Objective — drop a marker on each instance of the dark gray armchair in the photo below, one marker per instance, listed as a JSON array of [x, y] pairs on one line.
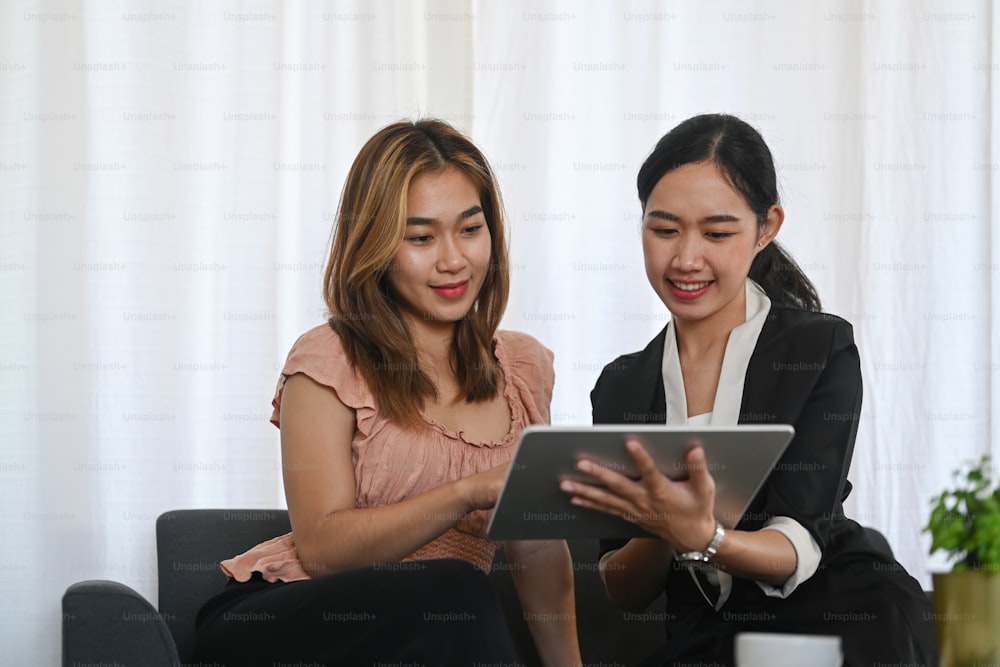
[[108, 622], [105, 622]]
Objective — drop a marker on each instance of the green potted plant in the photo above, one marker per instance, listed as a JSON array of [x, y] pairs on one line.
[[965, 524]]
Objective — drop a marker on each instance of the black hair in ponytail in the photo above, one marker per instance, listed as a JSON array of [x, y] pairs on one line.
[[742, 156]]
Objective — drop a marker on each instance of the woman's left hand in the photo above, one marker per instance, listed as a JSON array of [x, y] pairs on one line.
[[679, 512]]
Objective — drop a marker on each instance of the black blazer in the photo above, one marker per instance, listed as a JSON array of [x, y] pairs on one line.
[[804, 371]]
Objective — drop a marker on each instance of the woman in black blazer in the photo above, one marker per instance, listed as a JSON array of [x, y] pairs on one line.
[[746, 344]]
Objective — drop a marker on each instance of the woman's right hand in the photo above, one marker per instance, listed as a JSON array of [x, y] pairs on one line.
[[482, 489], [679, 512]]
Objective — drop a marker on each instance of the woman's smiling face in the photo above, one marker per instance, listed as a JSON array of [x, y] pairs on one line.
[[441, 264], [699, 239]]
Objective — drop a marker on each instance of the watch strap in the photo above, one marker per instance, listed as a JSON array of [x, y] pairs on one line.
[[709, 552]]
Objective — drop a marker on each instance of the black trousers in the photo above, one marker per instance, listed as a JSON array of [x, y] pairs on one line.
[[435, 612], [878, 610]]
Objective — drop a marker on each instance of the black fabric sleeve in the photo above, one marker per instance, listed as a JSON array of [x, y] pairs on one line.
[[809, 480]]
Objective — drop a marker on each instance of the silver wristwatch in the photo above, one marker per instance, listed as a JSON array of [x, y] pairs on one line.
[[708, 553]]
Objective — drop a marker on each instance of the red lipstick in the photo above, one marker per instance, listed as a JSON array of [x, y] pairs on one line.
[[452, 291]]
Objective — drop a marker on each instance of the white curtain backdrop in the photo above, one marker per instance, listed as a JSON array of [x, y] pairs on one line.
[[169, 173]]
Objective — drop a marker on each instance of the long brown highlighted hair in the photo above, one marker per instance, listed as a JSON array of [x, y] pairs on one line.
[[369, 229]]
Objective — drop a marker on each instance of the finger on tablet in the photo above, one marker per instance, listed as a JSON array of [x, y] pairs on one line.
[[612, 482], [596, 499], [595, 469], [577, 489], [697, 467], [644, 463]]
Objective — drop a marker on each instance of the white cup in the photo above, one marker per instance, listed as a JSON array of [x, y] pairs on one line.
[[772, 649]]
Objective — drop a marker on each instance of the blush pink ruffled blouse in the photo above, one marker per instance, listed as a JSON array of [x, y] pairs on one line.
[[392, 463]]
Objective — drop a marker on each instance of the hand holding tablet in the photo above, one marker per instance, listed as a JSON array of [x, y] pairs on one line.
[[532, 506]]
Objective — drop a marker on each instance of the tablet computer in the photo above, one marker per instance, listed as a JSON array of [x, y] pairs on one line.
[[532, 507]]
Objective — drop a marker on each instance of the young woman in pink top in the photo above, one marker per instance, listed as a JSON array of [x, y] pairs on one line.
[[398, 419]]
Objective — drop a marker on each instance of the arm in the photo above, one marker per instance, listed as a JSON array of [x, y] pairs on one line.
[[543, 576], [766, 556], [330, 533], [682, 515], [636, 574], [808, 484], [803, 494], [542, 571]]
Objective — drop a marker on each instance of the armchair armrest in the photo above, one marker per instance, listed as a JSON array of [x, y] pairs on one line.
[[105, 622]]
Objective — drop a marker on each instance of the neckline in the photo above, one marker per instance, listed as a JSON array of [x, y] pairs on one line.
[[704, 419], [516, 422], [732, 376]]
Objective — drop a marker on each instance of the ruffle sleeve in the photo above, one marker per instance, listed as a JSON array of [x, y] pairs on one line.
[[530, 370], [319, 354], [276, 560]]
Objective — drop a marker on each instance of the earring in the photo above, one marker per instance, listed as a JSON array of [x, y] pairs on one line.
[[760, 245]]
